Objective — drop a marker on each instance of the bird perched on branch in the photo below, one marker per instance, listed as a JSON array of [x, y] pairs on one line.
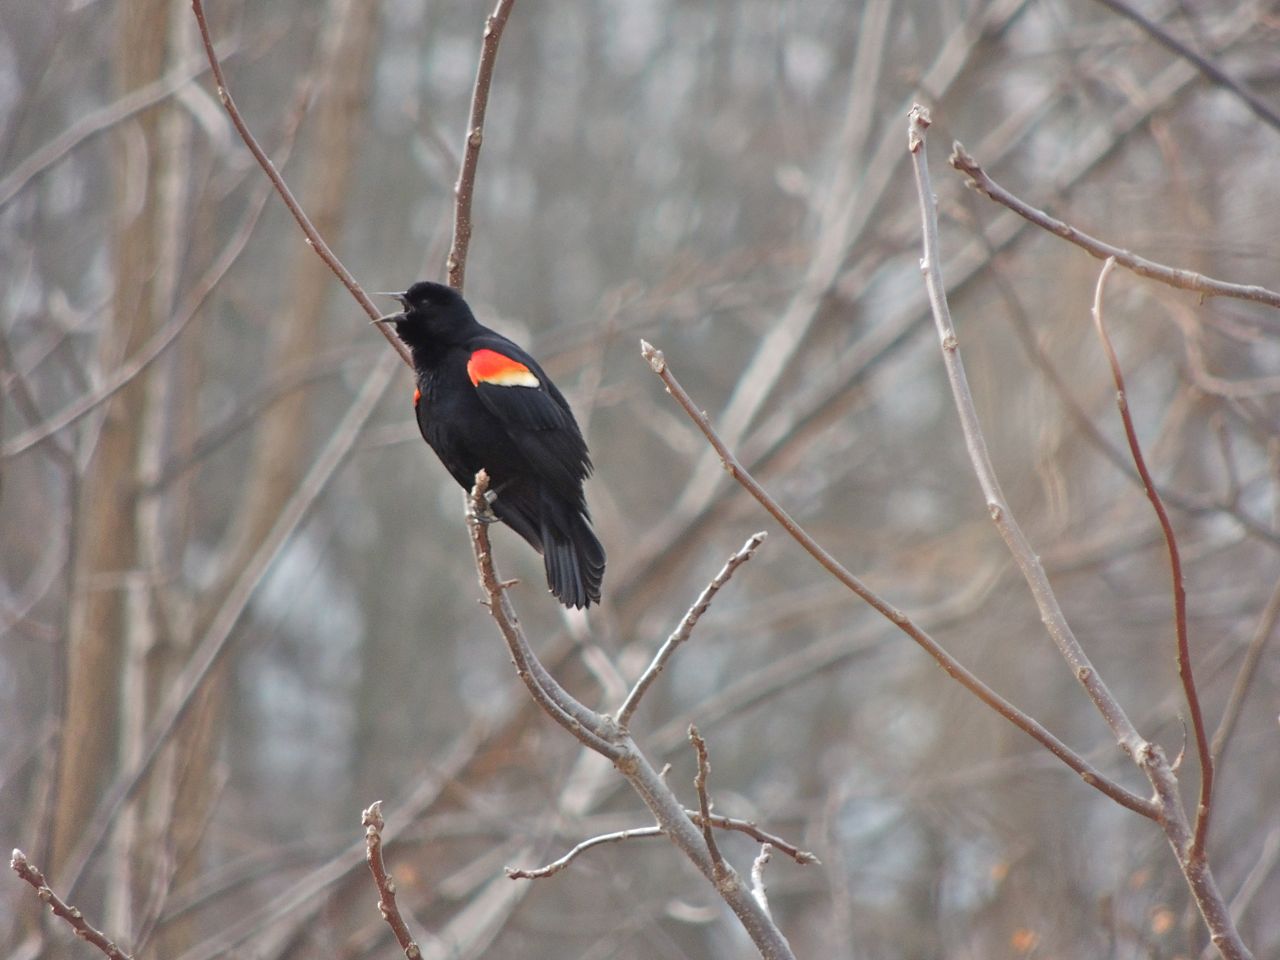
[[483, 403]]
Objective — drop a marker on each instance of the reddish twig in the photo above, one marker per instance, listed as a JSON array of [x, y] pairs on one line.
[[464, 189], [72, 915], [720, 822], [957, 671], [1185, 673], [1173, 276], [685, 628], [314, 240], [373, 824]]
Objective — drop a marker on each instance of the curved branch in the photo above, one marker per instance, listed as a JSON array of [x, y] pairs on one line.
[[1185, 674]]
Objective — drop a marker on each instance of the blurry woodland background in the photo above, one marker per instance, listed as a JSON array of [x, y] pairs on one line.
[[728, 180]]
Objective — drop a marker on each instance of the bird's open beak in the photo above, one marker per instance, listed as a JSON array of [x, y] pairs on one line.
[[392, 317]]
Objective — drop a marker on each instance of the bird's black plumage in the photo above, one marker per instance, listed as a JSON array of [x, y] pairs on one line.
[[483, 402]]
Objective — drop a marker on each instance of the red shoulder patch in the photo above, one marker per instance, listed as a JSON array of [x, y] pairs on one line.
[[489, 366], [417, 395]]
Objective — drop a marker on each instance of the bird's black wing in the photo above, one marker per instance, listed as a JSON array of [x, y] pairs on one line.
[[536, 416]]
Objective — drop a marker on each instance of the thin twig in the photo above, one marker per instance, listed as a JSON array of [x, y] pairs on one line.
[[314, 239], [555, 866], [718, 866], [373, 825], [464, 190], [72, 915], [802, 857], [957, 671], [721, 822], [685, 628], [1185, 673], [981, 181]]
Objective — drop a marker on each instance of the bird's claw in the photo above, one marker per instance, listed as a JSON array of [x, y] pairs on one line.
[[485, 516]]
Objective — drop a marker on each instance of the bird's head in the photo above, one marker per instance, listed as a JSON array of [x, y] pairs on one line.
[[433, 314]]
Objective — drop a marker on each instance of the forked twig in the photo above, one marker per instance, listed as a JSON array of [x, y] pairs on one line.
[[1024, 555], [604, 735]]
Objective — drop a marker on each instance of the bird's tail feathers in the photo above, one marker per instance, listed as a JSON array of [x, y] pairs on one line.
[[572, 555]]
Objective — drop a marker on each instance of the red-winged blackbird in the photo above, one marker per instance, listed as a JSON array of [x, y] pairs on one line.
[[482, 402]]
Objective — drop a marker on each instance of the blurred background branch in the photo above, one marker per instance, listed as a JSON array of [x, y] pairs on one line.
[[726, 180]]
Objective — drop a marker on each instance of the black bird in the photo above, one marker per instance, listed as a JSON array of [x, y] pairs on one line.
[[483, 402]]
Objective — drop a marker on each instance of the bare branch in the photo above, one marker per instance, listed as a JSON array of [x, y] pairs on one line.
[[720, 822], [74, 918], [685, 628], [1204, 807], [585, 724], [314, 239], [456, 265], [957, 671], [1173, 276], [373, 824], [606, 737], [718, 865]]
